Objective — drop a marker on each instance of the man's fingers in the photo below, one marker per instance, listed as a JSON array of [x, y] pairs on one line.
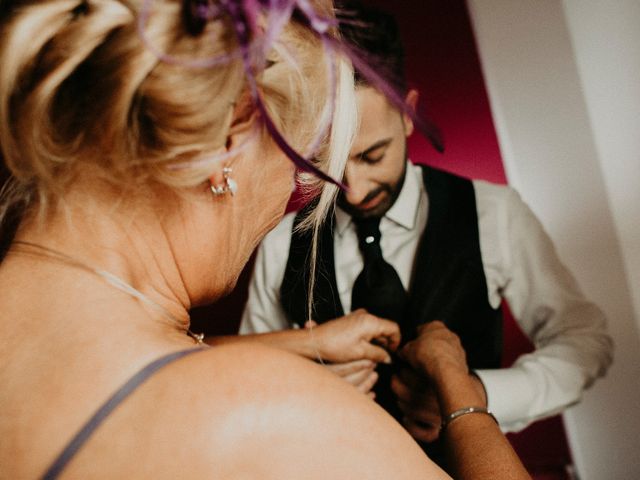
[[401, 390], [420, 406], [425, 433], [413, 380], [425, 416], [417, 392]]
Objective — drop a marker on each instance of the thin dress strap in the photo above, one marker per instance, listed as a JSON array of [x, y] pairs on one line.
[[103, 412]]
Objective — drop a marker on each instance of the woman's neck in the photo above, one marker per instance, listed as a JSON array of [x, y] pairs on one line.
[[125, 250]]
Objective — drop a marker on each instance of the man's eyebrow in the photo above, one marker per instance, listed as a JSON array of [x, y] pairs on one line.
[[373, 148]]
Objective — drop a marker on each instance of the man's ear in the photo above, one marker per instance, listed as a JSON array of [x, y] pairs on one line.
[[411, 101], [243, 117]]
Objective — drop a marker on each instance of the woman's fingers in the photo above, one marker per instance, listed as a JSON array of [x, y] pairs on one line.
[[378, 330], [358, 335], [436, 348], [367, 383], [375, 353], [360, 374], [389, 333], [349, 368]]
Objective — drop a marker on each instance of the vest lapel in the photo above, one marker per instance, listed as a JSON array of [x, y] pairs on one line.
[[448, 282]]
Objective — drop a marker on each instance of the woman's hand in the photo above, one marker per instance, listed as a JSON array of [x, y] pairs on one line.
[[356, 336], [437, 353], [359, 373], [354, 344]]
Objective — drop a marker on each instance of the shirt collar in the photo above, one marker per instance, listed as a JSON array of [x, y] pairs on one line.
[[405, 209]]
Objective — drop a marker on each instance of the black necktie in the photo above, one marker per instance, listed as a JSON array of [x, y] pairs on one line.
[[378, 288]]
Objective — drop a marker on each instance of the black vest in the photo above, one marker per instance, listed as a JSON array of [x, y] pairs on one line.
[[448, 281]]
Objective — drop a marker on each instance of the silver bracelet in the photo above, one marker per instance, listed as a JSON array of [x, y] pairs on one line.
[[463, 411]]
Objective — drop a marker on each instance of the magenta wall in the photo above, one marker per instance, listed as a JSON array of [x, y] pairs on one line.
[[442, 63]]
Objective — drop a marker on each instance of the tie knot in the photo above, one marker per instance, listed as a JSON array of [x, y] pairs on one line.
[[368, 230], [378, 288]]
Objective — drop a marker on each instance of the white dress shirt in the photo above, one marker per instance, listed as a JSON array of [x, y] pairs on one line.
[[520, 265]]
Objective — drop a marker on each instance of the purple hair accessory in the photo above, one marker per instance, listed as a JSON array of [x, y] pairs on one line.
[[299, 161], [255, 40]]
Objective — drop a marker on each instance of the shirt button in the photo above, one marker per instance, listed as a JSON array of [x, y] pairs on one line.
[[368, 240]]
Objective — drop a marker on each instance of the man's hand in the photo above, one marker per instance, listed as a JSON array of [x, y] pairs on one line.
[[356, 336], [419, 404]]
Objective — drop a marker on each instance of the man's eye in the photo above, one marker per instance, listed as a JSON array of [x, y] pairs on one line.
[[371, 160]]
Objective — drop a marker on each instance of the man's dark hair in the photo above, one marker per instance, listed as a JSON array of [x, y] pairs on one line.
[[374, 34]]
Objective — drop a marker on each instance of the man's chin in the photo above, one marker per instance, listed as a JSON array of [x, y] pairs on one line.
[[377, 211]]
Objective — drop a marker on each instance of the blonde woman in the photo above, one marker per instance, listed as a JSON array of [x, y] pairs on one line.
[[142, 182]]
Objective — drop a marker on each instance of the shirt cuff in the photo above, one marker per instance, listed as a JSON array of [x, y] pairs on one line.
[[509, 396]]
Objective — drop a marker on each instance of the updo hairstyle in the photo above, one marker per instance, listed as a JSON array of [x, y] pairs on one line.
[[79, 87]]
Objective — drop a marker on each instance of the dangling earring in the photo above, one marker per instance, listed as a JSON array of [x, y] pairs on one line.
[[229, 185]]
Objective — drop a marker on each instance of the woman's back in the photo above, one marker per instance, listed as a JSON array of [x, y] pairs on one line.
[[224, 412], [67, 344]]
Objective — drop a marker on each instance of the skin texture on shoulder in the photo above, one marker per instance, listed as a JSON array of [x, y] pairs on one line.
[[223, 414]]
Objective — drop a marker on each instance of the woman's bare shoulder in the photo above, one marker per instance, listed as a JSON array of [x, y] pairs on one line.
[[282, 416], [248, 411]]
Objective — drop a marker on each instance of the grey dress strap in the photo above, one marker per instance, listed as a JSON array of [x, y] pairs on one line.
[[107, 407]]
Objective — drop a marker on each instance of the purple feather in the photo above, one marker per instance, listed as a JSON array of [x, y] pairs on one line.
[[255, 41]]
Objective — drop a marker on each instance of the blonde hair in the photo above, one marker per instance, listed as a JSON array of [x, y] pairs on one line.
[[78, 87]]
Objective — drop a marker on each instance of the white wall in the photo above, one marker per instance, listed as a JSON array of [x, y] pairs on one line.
[[606, 43], [567, 122]]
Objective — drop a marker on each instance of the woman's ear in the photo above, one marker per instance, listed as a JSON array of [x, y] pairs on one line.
[[243, 119], [243, 115]]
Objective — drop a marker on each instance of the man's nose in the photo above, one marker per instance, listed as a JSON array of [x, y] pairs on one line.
[[358, 188]]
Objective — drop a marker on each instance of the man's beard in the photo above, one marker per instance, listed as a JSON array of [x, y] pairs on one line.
[[393, 191]]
